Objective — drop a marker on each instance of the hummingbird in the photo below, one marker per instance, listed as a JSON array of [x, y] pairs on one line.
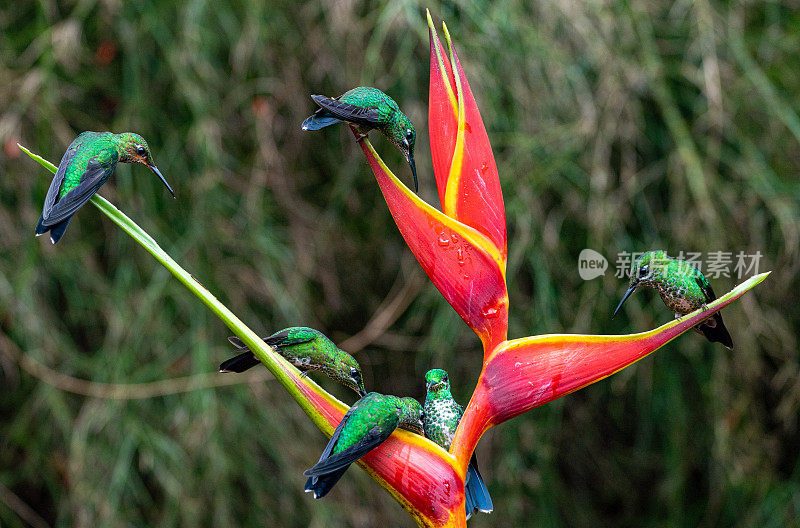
[[440, 421], [367, 424], [368, 108], [306, 349], [89, 161], [682, 287]]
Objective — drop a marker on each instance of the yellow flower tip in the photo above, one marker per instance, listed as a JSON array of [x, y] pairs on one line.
[[447, 39], [430, 20]]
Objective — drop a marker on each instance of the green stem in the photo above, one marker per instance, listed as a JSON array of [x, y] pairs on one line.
[[274, 362]]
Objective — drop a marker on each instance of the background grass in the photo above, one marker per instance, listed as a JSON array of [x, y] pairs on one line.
[[618, 126]]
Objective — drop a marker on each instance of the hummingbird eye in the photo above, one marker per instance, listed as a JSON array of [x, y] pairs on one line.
[[643, 271], [140, 150], [409, 134], [354, 372]]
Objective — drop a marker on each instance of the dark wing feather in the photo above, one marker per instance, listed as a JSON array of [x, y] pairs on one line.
[[716, 333], [93, 178], [706, 288], [371, 440], [367, 116]]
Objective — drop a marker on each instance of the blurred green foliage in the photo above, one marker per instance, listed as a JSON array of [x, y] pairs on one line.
[[617, 126]]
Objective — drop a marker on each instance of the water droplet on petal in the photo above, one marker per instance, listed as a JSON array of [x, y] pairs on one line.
[[489, 311]]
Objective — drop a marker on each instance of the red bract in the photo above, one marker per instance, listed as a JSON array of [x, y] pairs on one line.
[[416, 472], [463, 250]]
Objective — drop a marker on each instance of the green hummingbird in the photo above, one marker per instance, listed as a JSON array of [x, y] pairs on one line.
[[682, 287], [368, 108], [306, 349], [88, 163], [367, 424], [440, 421]]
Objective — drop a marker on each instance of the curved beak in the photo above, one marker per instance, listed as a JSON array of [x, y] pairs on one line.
[[624, 298], [413, 170], [161, 177]]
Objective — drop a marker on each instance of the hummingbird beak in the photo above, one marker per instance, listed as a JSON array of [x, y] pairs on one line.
[[413, 170], [624, 298], [161, 177]]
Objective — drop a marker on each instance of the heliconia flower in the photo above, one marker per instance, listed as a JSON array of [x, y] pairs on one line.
[[463, 250], [518, 375]]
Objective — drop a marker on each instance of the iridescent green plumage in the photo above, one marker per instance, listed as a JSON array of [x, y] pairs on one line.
[[308, 350], [440, 422], [365, 426], [89, 161], [681, 286], [368, 108]]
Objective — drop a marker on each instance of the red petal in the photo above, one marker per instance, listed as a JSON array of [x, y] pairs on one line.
[[442, 112], [460, 261], [463, 162], [525, 373]]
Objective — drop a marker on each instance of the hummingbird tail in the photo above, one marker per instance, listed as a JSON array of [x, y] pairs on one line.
[[319, 120], [240, 363], [477, 495], [715, 331], [322, 484], [56, 231]]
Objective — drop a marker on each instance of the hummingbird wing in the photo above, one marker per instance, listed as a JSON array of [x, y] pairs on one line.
[[360, 115], [58, 179], [284, 339], [92, 179], [706, 288], [334, 437], [713, 328], [374, 437]]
